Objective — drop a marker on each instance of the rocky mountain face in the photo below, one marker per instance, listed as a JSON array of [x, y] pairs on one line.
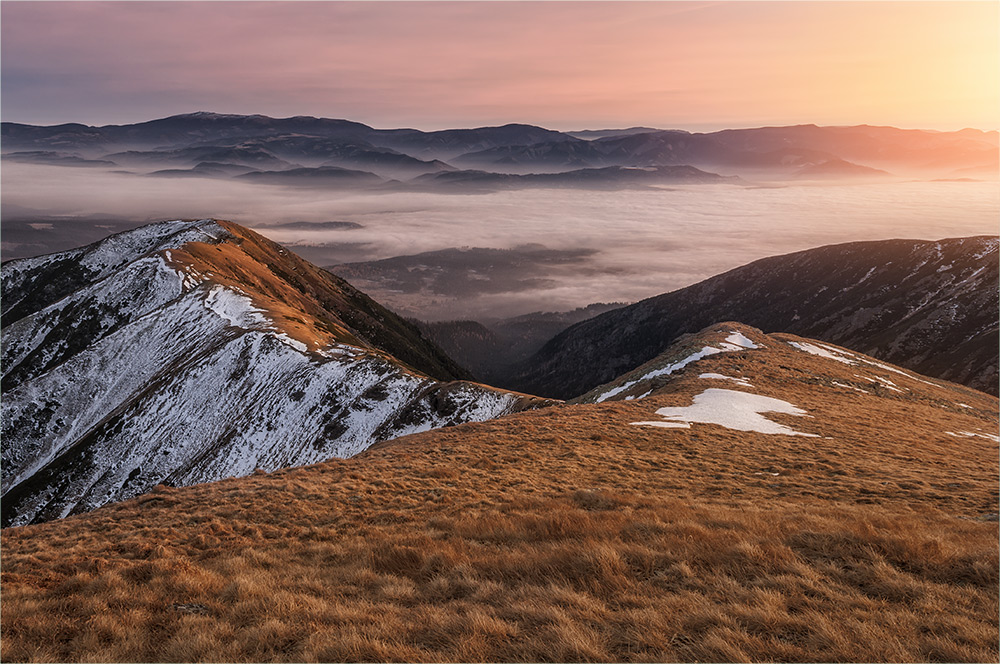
[[185, 352], [928, 306]]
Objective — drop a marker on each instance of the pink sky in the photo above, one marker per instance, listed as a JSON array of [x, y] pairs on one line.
[[564, 65]]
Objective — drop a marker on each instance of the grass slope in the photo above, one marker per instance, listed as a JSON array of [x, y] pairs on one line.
[[565, 534]]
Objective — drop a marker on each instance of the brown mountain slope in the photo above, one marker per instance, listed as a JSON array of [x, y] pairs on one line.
[[564, 534]]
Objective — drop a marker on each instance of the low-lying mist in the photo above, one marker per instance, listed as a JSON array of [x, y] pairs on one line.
[[569, 248]]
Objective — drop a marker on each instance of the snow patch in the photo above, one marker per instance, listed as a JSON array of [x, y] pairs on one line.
[[738, 339], [740, 411], [901, 373], [989, 247], [236, 308], [860, 281], [888, 384]]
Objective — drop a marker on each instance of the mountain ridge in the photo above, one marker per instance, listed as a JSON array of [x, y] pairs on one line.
[[184, 352], [931, 306], [630, 529]]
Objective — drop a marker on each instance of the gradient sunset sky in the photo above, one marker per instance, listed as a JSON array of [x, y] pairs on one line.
[[563, 65]]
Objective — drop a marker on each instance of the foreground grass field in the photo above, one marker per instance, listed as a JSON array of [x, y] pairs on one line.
[[559, 535]]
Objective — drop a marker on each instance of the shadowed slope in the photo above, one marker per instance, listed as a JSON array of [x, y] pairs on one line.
[[928, 306]]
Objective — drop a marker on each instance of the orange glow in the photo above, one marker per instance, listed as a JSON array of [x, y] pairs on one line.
[[566, 65]]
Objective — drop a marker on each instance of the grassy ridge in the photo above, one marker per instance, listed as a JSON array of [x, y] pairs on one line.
[[564, 534]]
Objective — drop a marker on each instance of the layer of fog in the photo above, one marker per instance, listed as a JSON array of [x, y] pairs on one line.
[[631, 244]]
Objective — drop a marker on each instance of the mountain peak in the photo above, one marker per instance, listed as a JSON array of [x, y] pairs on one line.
[[201, 349]]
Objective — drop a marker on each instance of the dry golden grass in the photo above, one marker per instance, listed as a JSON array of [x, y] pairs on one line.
[[558, 535]]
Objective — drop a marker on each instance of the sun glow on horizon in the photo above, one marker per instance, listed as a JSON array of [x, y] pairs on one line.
[[565, 65]]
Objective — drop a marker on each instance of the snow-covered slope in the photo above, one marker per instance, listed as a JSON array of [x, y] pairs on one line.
[[185, 352]]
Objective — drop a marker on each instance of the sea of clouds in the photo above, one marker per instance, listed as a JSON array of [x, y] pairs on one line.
[[627, 245]]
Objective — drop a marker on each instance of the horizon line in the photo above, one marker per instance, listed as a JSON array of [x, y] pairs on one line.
[[719, 127]]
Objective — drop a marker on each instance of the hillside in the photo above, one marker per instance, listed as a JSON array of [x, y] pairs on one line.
[[860, 528], [183, 352], [928, 306]]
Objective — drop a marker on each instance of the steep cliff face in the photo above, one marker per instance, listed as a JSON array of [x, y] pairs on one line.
[[184, 352], [927, 306]]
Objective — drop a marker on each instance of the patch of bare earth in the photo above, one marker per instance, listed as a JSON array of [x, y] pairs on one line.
[[566, 534]]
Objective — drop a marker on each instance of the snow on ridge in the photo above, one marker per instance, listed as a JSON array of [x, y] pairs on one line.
[[825, 351], [116, 297], [662, 371], [737, 339], [739, 411], [132, 244], [333, 407], [990, 246], [973, 434], [734, 342], [714, 376], [117, 250], [236, 307], [856, 389], [846, 357]]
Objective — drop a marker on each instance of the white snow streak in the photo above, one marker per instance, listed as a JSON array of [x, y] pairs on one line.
[[973, 434], [856, 389], [821, 352], [662, 371], [734, 342], [715, 376]]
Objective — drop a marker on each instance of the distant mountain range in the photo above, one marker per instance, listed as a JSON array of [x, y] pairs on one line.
[[305, 149], [185, 352]]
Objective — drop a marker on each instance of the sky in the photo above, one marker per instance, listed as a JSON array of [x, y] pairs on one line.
[[563, 65]]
